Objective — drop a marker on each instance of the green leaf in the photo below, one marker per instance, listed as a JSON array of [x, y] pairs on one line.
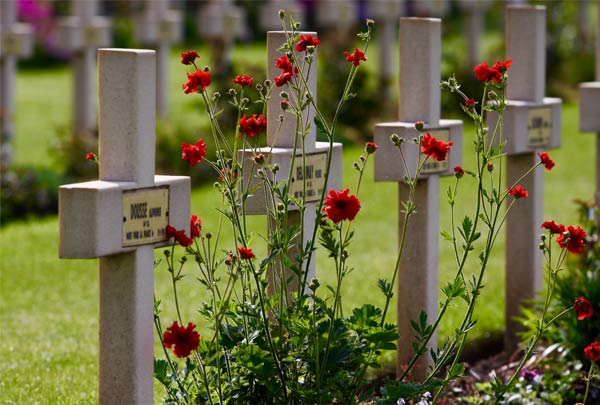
[[447, 236], [160, 371]]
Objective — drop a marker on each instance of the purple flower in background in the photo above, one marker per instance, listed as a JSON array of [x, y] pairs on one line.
[[43, 21], [529, 374]]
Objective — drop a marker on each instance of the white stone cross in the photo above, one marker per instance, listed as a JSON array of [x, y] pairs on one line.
[[159, 27], [420, 75], [281, 150], [82, 34], [338, 14], [221, 22], [269, 13], [589, 110], [386, 14], [121, 218], [532, 124], [16, 40], [474, 26], [430, 8]]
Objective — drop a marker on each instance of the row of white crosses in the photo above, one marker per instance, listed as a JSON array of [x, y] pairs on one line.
[[532, 124], [121, 218], [159, 27], [280, 149], [16, 41], [420, 75], [82, 34], [589, 118]]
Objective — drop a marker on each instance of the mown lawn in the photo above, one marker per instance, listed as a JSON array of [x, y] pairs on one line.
[[48, 307]]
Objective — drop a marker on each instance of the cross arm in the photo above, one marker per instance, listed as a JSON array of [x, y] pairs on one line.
[[18, 40], [93, 215]]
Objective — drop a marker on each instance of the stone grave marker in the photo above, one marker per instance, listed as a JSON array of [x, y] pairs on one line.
[[337, 18], [82, 34], [420, 75], [269, 13], [532, 124], [121, 218], [430, 8], [474, 26], [589, 109], [386, 14], [221, 22], [159, 27], [16, 41], [281, 150]]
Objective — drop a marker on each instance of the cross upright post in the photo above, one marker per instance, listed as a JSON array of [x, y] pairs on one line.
[[16, 41], [121, 218], [82, 34], [269, 13], [531, 124], [420, 74], [474, 26], [284, 146], [221, 21], [386, 14], [159, 27], [589, 116]]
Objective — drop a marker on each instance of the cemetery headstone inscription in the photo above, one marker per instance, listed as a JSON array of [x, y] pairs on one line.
[[283, 148], [532, 124], [121, 218], [16, 41], [82, 34], [420, 74]]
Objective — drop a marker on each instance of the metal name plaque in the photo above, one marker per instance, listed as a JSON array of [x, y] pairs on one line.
[[11, 43], [312, 175], [145, 216], [432, 166], [539, 127], [91, 36]]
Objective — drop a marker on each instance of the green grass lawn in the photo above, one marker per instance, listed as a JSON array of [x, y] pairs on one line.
[[49, 307]]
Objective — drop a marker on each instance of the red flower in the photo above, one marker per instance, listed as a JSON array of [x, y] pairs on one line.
[[517, 191], [180, 236], [434, 148], [573, 239], [243, 80], [371, 147], [470, 102], [282, 79], [184, 340], [592, 352], [546, 161], [90, 156], [195, 226], [253, 125], [340, 206], [193, 154], [306, 40], [553, 227], [171, 231], [188, 57], [583, 308], [197, 82], [285, 65], [503, 66], [355, 57], [485, 73], [246, 253], [459, 171]]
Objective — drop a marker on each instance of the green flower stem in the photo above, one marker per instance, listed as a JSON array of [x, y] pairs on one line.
[[590, 375]]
